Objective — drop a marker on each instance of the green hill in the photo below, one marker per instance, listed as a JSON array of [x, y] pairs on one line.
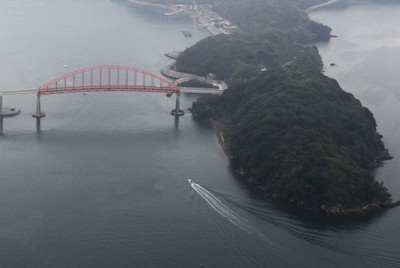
[[238, 55], [291, 132], [298, 137], [273, 32]]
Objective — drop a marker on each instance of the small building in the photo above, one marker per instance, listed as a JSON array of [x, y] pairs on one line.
[[210, 76]]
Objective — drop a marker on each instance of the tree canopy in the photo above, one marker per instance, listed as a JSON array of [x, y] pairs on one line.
[[272, 33], [300, 136], [293, 131]]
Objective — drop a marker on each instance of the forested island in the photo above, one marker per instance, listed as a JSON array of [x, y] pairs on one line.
[[289, 130]]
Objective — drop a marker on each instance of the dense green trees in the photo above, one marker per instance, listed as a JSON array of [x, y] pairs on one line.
[[271, 31], [272, 34], [238, 55], [301, 137], [294, 133], [258, 15]]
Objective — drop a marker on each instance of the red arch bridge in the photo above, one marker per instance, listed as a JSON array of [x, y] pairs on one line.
[[108, 78]]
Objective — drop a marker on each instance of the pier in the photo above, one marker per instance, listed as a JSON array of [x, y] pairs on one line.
[[7, 111]]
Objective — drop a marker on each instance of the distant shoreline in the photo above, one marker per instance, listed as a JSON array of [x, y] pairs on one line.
[[146, 3], [165, 6]]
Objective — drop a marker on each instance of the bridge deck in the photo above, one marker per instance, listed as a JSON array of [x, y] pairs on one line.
[[193, 90], [19, 91]]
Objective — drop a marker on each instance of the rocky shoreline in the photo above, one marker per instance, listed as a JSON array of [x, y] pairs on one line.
[[334, 211], [331, 211], [266, 192]]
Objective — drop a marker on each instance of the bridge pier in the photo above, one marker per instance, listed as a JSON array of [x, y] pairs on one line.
[[7, 111], [38, 113], [177, 111]]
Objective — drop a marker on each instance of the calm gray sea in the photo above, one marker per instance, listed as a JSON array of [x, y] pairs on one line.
[[102, 182]]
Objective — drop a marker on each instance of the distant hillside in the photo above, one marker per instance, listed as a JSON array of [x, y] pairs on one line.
[[299, 3], [291, 132], [273, 32], [259, 15], [238, 55]]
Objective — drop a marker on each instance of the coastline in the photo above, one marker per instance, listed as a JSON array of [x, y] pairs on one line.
[[217, 127], [207, 19], [145, 3], [264, 190], [328, 210]]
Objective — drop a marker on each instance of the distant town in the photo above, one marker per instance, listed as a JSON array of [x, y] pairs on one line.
[[205, 17]]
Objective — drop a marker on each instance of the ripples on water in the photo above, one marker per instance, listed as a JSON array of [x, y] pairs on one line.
[[224, 211], [323, 233]]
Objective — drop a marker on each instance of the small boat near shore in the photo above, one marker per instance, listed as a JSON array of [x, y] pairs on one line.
[[66, 66], [187, 34], [174, 54]]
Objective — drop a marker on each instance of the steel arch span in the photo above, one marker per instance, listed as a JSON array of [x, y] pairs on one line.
[[108, 78]]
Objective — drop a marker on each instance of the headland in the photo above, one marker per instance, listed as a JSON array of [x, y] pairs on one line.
[[290, 131]]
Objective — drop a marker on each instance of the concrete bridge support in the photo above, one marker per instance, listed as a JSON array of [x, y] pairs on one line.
[[177, 111], [1, 115], [7, 111], [1, 104], [38, 113]]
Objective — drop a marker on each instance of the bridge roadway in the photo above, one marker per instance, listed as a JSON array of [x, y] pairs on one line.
[[200, 90], [189, 90], [19, 91], [182, 77], [107, 78]]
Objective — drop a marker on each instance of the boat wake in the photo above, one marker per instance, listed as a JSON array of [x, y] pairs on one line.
[[224, 211]]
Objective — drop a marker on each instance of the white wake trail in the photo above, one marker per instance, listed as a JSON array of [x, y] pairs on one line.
[[224, 211]]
